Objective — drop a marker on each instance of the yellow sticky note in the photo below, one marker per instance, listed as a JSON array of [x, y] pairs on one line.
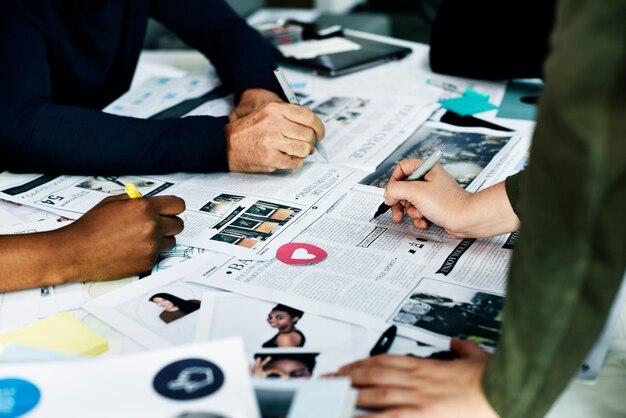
[[61, 332]]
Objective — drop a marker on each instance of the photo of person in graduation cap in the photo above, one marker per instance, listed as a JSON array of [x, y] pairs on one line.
[[174, 307], [284, 319]]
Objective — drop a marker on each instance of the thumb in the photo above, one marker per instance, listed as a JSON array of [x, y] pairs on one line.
[[466, 349]]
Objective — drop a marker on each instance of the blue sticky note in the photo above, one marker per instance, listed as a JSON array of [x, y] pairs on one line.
[[467, 105]]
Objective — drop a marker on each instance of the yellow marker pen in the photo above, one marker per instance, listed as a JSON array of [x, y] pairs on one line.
[[132, 191]]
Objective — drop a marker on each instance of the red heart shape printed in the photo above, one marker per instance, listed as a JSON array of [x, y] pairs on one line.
[[297, 253]]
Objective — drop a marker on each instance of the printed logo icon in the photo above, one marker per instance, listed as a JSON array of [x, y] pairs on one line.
[[17, 397], [299, 253], [188, 379]]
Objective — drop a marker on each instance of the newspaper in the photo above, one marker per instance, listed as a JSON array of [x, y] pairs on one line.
[[245, 215], [376, 272]]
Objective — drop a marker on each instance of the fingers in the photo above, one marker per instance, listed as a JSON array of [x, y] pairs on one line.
[[171, 225], [380, 376], [167, 205], [303, 116], [405, 168], [380, 397], [298, 132], [294, 148], [166, 243], [401, 190], [466, 349], [402, 412], [393, 361]]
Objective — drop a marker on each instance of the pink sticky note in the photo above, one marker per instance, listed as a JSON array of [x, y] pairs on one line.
[[299, 253]]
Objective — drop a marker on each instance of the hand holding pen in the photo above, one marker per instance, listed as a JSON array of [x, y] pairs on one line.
[[291, 97], [415, 175]]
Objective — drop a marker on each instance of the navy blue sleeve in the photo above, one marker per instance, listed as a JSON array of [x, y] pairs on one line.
[[242, 58], [37, 135]]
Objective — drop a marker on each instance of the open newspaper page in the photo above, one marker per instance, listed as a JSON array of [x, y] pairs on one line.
[[239, 214]]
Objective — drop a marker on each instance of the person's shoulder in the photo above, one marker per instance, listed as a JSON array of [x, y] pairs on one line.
[[37, 13]]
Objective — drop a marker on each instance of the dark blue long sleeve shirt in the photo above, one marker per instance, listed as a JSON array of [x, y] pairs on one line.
[[65, 60]]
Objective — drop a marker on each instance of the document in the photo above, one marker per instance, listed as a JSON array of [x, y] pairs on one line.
[[240, 214], [157, 94], [373, 271], [160, 311], [207, 379], [272, 327]]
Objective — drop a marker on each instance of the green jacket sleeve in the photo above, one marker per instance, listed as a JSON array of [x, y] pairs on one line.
[[514, 186], [571, 256]]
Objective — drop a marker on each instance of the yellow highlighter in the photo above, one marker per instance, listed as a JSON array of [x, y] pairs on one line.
[[132, 191]]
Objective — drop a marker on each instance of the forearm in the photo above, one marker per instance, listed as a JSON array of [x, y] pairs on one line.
[[34, 260], [69, 140], [486, 213]]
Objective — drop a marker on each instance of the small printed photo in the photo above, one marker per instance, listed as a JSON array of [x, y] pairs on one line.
[[221, 204], [168, 312], [331, 106], [116, 185], [174, 307], [272, 212], [346, 118], [269, 326], [241, 237], [453, 311], [465, 153], [283, 365]]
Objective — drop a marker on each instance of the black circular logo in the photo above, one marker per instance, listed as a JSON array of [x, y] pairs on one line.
[[188, 379]]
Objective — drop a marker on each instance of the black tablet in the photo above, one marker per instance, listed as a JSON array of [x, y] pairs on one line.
[[371, 53]]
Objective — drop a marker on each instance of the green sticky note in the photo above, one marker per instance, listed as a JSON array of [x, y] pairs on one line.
[[474, 93], [467, 105]]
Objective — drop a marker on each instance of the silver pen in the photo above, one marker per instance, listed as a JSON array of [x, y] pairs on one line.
[[291, 97], [418, 174]]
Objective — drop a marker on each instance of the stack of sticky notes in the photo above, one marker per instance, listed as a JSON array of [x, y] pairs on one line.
[[61, 332], [470, 103]]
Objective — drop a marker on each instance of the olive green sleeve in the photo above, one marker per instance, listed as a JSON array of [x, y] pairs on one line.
[[513, 185], [571, 254]]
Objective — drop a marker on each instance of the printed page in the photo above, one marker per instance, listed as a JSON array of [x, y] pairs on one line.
[[241, 214], [157, 94], [375, 269], [209, 378]]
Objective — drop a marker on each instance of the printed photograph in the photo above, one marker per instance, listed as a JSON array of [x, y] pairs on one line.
[[116, 185], [454, 311], [283, 365], [174, 307], [256, 224], [465, 153], [222, 204], [168, 312], [270, 327]]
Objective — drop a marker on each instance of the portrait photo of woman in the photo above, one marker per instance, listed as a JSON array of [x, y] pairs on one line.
[[284, 319], [174, 307]]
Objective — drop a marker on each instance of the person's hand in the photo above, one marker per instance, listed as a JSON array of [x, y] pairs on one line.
[[119, 237], [407, 387], [258, 369], [274, 136], [251, 100], [438, 198]]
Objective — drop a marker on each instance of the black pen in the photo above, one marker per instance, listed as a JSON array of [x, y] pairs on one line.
[[383, 344], [418, 174]]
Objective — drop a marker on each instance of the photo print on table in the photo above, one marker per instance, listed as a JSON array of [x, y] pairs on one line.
[[466, 154], [453, 311]]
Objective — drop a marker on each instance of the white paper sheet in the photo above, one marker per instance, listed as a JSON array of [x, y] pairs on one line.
[[207, 378]]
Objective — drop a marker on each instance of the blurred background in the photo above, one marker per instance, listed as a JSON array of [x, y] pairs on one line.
[[404, 19]]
